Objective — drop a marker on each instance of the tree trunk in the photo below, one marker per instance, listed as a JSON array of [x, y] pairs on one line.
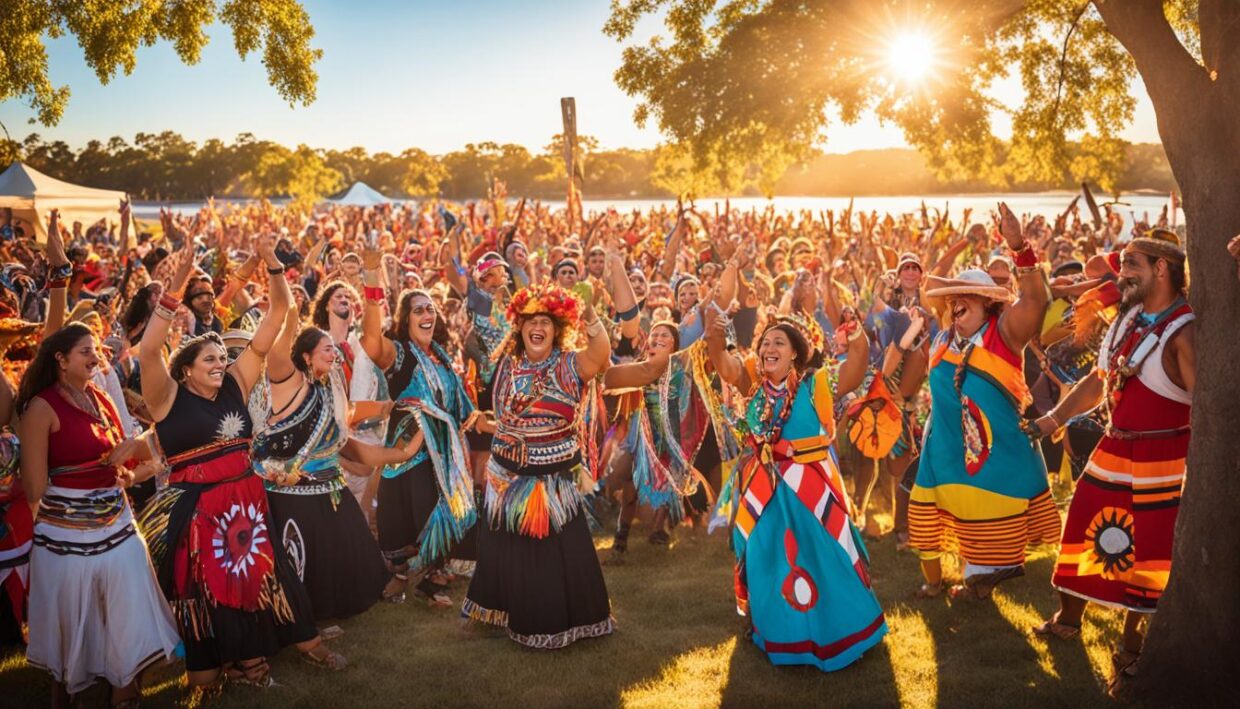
[[1190, 650]]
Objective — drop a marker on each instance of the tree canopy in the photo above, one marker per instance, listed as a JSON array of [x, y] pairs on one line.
[[748, 83], [111, 32]]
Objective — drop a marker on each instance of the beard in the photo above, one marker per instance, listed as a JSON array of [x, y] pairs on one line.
[[343, 312], [1133, 291]]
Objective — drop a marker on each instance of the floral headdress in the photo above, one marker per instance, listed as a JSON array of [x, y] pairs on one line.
[[808, 328], [542, 299]]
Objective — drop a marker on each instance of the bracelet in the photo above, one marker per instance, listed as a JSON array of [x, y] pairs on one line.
[[594, 328], [163, 312], [62, 272], [374, 294], [852, 336], [53, 283], [628, 314], [1054, 419], [275, 271], [168, 302], [1026, 270], [1025, 258]]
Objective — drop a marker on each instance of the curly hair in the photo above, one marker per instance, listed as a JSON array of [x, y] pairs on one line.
[[318, 314], [185, 355], [404, 313], [562, 331]]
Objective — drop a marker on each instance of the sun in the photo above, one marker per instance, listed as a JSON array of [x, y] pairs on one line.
[[912, 57]]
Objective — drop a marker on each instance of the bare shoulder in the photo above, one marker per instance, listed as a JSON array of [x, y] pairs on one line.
[[39, 412]]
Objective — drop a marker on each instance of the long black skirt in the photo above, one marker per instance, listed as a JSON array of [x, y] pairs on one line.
[[331, 550], [405, 504], [548, 593]]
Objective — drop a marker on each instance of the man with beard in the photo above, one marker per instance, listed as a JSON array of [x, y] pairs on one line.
[[200, 300], [334, 312], [1117, 540]]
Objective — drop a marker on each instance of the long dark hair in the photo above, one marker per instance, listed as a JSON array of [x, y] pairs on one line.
[[319, 315], [671, 327], [805, 358], [43, 371], [308, 339], [138, 312], [188, 352]]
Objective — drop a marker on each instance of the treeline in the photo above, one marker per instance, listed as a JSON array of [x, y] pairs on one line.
[[165, 166]]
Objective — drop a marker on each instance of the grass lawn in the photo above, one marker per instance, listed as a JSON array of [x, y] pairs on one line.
[[679, 644]]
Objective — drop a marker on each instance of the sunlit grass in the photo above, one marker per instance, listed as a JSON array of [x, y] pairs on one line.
[[679, 644]]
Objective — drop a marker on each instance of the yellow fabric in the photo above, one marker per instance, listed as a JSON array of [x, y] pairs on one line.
[[968, 502]]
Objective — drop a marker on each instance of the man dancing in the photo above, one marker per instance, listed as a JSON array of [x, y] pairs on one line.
[[1117, 540]]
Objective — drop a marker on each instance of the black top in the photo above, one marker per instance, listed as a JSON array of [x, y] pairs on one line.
[[193, 421]]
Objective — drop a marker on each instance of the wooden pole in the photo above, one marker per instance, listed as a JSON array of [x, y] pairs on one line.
[[572, 163]]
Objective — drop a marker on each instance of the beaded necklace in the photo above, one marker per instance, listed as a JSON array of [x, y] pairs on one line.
[[770, 408], [1124, 365]]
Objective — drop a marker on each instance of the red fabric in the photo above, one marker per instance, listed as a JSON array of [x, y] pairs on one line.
[[230, 542], [992, 341], [81, 439]]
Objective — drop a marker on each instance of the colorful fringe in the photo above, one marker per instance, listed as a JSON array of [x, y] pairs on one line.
[[531, 505]]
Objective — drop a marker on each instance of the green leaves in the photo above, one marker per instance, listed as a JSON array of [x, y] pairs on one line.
[[746, 85], [110, 32]]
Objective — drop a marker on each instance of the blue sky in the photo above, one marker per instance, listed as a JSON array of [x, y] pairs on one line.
[[396, 75]]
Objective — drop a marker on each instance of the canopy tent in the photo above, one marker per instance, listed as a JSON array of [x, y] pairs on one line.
[[359, 195], [32, 195]]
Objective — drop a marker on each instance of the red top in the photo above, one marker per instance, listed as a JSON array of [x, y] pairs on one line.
[[82, 441]]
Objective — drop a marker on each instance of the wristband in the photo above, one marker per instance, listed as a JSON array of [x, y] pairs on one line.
[[163, 312], [628, 314], [275, 271], [1025, 258], [168, 302], [1054, 419], [374, 294], [53, 283], [857, 332], [62, 272], [594, 328]]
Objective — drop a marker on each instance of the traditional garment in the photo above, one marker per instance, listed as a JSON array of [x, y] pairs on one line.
[[95, 606], [671, 426], [489, 328], [1117, 540], [981, 486], [426, 506], [233, 592], [363, 381], [317, 521], [802, 571], [16, 533], [538, 574]]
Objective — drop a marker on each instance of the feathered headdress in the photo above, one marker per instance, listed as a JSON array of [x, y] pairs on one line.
[[808, 328]]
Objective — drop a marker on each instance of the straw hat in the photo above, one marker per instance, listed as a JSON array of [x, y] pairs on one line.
[[970, 282]]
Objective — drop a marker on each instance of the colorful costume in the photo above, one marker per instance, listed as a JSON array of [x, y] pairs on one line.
[[16, 531], [232, 590], [95, 606], [538, 574], [802, 572], [1118, 537], [319, 525], [981, 486], [426, 505]]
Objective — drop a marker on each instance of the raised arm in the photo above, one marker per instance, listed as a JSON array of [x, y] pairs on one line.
[[454, 270], [378, 348], [58, 296], [158, 387], [727, 364], [594, 358], [622, 294], [635, 374], [667, 267], [249, 366], [280, 359], [1021, 322], [852, 371], [238, 279]]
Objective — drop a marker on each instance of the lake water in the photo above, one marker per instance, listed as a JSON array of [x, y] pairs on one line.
[[1048, 204]]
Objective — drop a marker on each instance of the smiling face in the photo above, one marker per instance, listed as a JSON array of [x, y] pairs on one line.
[[340, 304], [1138, 274], [494, 279], [422, 315], [566, 276], [322, 358], [595, 264], [206, 373], [687, 296], [967, 312], [661, 340], [81, 361], [776, 354], [350, 266], [538, 337], [640, 287], [910, 277], [520, 257], [201, 298]]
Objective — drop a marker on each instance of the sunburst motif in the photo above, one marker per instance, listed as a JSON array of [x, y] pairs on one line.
[[1110, 539], [239, 532], [230, 426]]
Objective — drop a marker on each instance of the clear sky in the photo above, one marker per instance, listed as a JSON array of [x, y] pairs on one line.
[[434, 75]]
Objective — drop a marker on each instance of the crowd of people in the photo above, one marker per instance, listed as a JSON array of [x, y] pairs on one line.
[[226, 432]]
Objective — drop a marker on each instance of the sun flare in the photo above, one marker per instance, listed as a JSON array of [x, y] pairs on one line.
[[911, 57]]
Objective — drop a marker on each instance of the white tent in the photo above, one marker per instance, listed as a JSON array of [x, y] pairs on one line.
[[32, 195], [359, 195]]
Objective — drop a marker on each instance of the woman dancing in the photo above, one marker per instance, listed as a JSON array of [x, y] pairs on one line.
[[235, 596], [95, 606], [426, 504], [981, 484], [802, 572], [538, 575], [300, 414]]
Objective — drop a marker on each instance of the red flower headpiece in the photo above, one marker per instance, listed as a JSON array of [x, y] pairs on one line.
[[545, 299]]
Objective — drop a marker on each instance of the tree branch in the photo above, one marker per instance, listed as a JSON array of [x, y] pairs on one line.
[[1219, 21]]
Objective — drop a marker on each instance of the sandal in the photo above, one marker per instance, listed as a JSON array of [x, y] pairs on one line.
[[1053, 628], [321, 656], [928, 591], [396, 597], [660, 538], [1124, 664], [969, 592], [434, 594], [255, 674]]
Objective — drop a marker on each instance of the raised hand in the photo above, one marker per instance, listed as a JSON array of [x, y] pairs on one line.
[[55, 244], [1010, 228], [916, 323]]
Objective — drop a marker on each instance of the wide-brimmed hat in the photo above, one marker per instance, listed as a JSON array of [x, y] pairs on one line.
[[970, 282], [1159, 243]]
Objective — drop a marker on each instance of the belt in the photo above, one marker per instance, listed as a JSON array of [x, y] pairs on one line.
[[1124, 435]]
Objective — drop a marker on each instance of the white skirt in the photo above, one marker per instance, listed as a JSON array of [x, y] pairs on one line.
[[96, 609]]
